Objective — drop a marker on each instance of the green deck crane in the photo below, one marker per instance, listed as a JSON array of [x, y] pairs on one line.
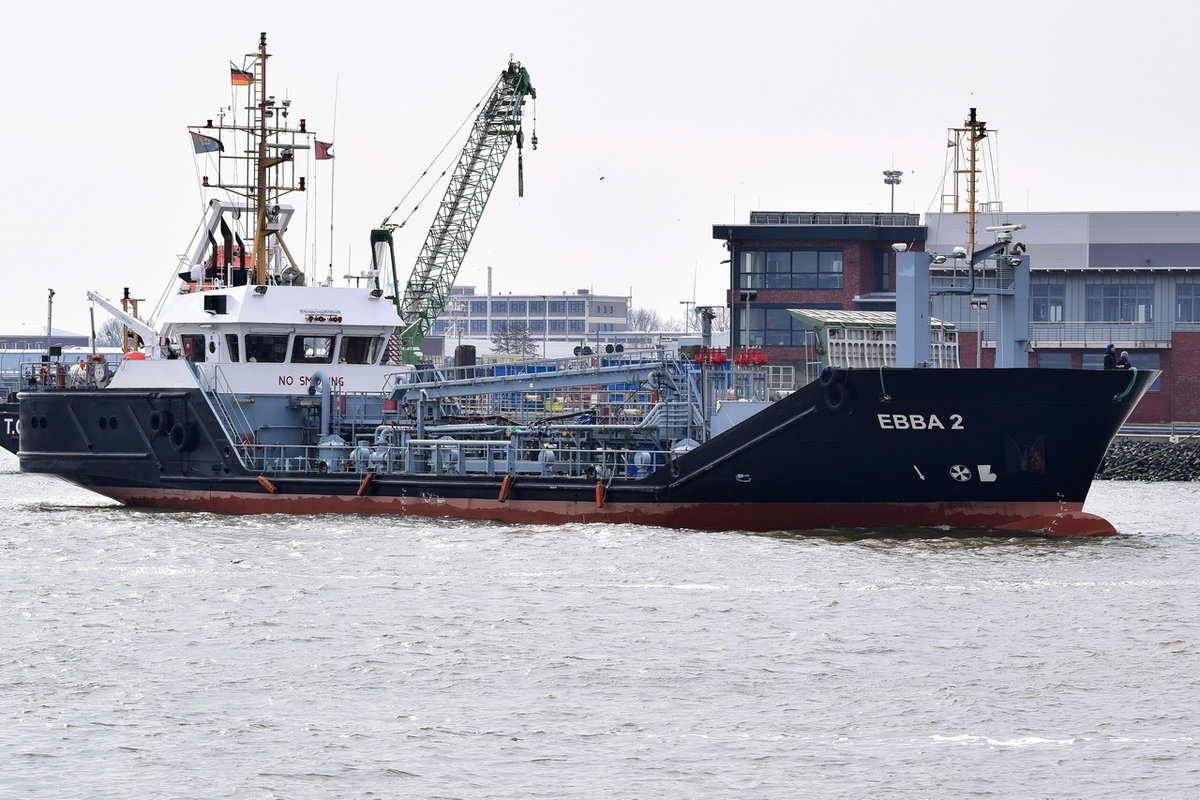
[[428, 289]]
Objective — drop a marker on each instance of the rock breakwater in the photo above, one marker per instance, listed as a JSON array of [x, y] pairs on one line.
[[1131, 459]]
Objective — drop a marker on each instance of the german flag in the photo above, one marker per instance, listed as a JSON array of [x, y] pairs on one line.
[[239, 77]]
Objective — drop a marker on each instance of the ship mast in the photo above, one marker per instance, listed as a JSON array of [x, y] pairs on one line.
[[270, 149], [974, 132], [260, 183]]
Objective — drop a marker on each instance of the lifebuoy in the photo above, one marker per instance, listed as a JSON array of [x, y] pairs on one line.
[[182, 437], [837, 396], [159, 422]]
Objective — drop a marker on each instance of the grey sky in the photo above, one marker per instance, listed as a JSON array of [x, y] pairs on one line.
[[692, 113]]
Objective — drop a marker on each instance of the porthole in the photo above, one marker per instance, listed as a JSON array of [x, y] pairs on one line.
[[42, 421], [33, 422], [103, 423], [112, 423]]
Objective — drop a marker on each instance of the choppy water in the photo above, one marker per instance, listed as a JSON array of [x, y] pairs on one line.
[[154, 655]]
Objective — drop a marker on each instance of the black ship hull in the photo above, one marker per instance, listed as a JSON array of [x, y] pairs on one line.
[[1000, 449]]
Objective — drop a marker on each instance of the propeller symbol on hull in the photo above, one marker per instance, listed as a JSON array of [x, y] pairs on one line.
[[960, 473]]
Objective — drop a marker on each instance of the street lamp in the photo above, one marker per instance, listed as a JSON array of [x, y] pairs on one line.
[[687, 314], [892, 178], [980, 304], [49, 318]]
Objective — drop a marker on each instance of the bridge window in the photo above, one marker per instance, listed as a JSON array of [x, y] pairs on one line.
[[192, 346], [266, 348], [360, 349], [312, 350]]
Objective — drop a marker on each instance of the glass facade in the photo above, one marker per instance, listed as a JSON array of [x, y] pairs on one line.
[[1120, 302], [773, 327], [1047, 301], [1187, 302], [808, 268]]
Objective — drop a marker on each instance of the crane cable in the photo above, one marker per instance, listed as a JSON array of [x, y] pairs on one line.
[[469, 118]]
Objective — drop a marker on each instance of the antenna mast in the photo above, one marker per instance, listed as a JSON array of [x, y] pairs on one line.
[[974, 132]]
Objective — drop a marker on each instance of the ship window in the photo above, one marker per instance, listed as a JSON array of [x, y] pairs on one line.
[[231, 345], [266, 348], [192, 346], [360, 349], [312, 350]]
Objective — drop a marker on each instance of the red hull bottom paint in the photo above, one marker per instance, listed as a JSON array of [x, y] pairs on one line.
[[1047, 519]]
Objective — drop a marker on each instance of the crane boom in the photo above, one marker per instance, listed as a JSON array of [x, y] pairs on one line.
[[428, 288]]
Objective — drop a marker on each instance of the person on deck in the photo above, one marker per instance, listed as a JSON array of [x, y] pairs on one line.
[[1110, 357], [1123, 361]]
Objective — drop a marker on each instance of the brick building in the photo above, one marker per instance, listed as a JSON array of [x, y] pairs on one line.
[[1131, 278]]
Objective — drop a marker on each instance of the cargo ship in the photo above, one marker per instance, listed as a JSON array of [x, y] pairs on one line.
[[256, 392]]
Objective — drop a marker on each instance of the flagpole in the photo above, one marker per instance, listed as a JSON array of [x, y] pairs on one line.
[[332, 176]]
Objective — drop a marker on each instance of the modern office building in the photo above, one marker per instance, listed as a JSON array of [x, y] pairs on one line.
[[557, 318], [1130, 278]]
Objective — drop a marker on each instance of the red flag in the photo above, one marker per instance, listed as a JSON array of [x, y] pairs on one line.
[[323, 150], [239, 77]]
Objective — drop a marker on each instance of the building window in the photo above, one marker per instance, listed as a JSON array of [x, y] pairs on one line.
[[479, 327], [575, 326], [1046, 302], [576, 308], [558, 306], [537, 326], [516, 308], [479, 306], [1054, 360], [1187, 302], [537, 306], [773, 327], [791, 269], [440, 327], [558, 326], [500, 307], [883, 277], [1120, 302]]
